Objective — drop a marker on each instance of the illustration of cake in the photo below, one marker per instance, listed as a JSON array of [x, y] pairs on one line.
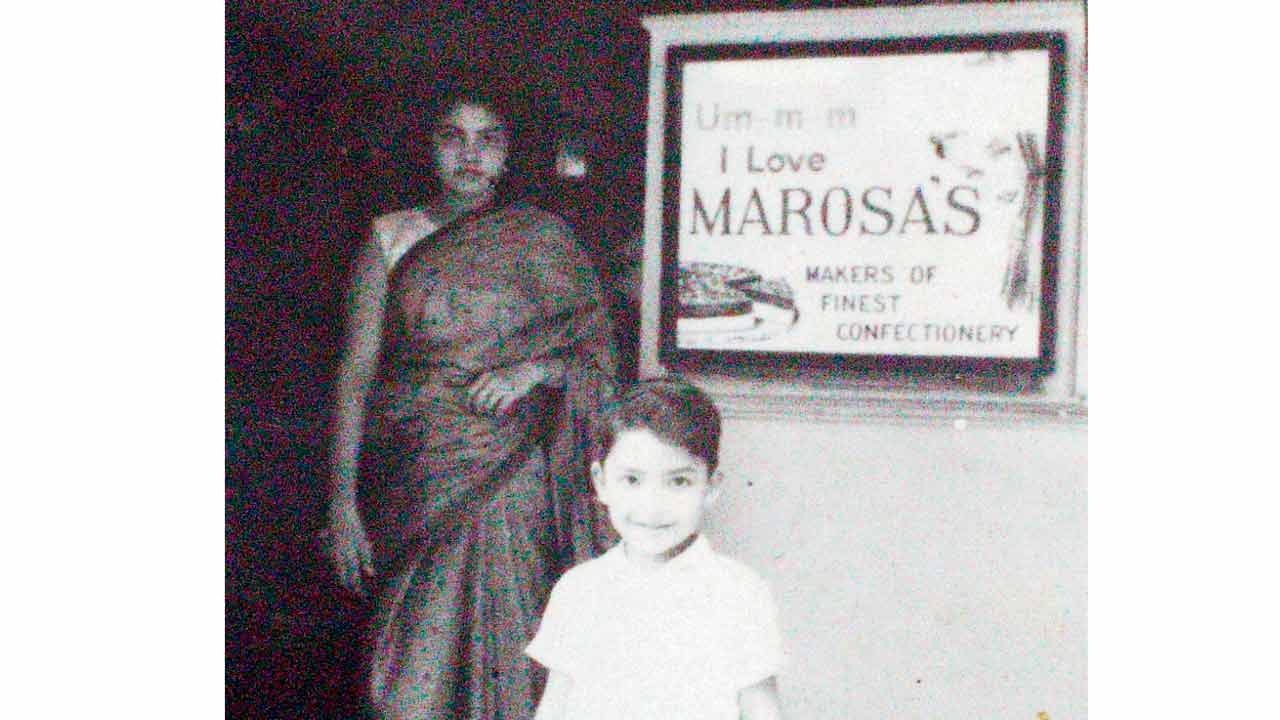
[[718, 297], [774, 291]]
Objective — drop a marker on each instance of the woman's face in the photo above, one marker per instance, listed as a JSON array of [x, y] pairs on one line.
[[470, 150]]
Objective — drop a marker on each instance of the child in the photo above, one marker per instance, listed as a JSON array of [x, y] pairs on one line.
[[660, 627]]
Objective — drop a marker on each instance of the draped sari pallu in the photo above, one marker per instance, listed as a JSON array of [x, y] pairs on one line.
[[472, 517]]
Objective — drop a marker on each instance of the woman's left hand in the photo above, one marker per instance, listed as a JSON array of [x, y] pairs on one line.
[[497, 391]]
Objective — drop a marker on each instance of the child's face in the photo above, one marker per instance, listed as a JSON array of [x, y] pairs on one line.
[[656, 493]]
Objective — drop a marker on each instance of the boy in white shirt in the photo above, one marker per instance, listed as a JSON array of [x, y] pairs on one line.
[[660, 627]]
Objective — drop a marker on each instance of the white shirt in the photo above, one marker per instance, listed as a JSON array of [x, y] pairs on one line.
[[676, 643]]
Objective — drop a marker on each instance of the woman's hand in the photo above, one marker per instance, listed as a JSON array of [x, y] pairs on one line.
[[348, 546], [495, 392]]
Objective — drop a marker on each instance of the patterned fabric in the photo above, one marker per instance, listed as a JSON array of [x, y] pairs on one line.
[[473, 517]]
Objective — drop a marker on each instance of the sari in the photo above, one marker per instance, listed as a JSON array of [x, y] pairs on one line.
[[471, 516]]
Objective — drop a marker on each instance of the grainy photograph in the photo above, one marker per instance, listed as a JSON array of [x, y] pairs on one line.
[[655, 360]]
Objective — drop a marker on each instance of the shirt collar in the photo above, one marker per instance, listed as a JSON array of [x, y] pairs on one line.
[[697, 553]]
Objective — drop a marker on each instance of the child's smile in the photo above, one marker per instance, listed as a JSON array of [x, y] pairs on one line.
[[656, 492]]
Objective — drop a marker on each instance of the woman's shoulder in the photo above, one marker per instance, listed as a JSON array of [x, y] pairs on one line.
[[391, 223], [397, 231]]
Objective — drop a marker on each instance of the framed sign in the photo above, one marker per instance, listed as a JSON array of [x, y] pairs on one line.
[[869, 203]]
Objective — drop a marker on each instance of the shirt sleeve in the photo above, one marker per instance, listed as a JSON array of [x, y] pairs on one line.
[[761, 640], [553, 646]]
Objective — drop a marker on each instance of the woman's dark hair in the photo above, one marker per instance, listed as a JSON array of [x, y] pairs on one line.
[[671, 408], [529, 162]]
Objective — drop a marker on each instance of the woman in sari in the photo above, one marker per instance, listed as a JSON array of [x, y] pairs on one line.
[[477, 357]]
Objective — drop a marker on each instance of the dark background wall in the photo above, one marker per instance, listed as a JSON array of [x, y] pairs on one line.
[[321, 103]]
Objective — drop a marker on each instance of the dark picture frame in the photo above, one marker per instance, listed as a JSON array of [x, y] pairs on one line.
[[755, 360]]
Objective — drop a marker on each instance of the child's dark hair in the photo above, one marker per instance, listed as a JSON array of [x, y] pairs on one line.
[[670, 408]]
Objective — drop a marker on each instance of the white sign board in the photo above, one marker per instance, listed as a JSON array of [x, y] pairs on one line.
[[890, 201]]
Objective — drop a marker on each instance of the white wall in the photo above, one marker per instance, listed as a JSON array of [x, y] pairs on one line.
[[922, 571]]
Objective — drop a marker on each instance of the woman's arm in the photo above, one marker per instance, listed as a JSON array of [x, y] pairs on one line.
[[556, 697], [359, 358], [366, 300], [497, 391], [760, 701]]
